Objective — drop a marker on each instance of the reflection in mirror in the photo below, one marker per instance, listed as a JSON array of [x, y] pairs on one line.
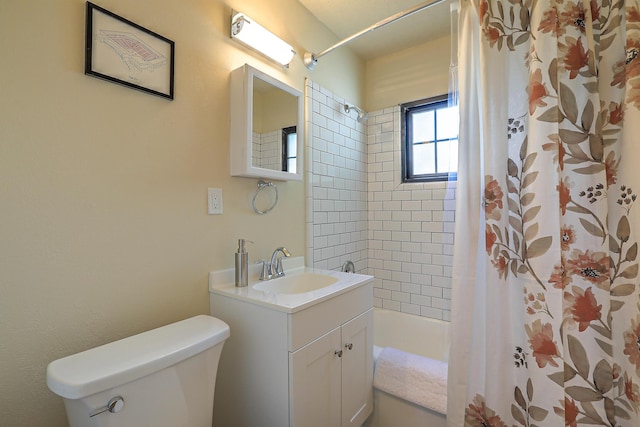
[[266, 126], [290, 147], [274, 137]]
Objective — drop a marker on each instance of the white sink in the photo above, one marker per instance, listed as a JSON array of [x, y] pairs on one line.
[[301, 288], [297, 283]]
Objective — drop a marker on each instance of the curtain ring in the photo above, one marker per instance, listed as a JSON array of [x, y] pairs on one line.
[[262, 185]]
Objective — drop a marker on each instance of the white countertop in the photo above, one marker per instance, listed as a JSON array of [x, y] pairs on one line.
[[222, 283]]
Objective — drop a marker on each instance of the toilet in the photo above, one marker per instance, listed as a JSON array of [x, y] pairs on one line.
[[162, 378]]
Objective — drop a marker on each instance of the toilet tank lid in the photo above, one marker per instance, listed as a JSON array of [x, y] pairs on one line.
[[102, 368]]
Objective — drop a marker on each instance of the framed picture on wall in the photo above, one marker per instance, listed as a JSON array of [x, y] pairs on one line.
[[123, 52]]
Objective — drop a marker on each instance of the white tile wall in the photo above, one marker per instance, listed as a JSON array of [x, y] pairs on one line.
[[359, 210], [337, 183], [267, 150]]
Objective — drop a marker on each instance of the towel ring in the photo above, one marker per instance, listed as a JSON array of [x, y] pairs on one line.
[[262, 186]]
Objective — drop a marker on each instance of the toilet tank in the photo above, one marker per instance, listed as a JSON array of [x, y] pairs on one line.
[[166, 377]]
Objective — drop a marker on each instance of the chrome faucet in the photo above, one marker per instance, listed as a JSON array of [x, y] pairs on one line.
[[275, 266]]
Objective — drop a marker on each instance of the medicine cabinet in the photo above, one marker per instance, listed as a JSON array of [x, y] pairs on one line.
[[266, 127]]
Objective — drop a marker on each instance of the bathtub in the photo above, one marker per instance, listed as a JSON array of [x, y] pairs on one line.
[[414, 334]]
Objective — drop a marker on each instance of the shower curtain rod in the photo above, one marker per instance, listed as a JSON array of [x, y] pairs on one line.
[[311, 59]]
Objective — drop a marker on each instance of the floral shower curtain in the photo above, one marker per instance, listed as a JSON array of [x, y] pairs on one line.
[[546, 307]]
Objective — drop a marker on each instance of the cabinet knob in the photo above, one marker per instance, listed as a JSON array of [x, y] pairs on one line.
[[338, 353], [348, 346]]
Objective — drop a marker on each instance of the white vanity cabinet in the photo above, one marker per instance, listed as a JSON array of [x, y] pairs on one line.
[[331, 377], [308, 367]]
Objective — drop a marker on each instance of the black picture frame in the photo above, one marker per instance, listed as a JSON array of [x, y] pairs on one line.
[[126, 53]]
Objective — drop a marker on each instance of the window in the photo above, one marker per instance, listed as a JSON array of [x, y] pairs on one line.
[[289, 149], [429, 140]]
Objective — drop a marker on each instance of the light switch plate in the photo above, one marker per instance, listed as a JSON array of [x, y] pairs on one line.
[[214, 201]]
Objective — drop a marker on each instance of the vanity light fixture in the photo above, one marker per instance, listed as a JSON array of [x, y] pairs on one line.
[[254, 35]]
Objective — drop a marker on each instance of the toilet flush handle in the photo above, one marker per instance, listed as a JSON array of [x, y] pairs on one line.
[[114, 405]]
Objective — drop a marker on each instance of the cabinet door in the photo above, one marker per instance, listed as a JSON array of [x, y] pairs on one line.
[[315, 382], [357, 370]]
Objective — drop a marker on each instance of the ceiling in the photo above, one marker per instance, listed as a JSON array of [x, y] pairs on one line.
[[345, 18]]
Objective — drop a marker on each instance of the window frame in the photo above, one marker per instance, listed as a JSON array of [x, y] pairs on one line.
[[406, 133], [285, 147]]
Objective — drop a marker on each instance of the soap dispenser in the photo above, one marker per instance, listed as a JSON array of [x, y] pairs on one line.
[[242, 264]]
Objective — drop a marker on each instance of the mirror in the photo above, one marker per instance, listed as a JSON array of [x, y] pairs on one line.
[[266, 126]]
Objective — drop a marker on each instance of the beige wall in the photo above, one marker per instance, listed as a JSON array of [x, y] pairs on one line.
[[408, 75], [274, 110], [103, 223]]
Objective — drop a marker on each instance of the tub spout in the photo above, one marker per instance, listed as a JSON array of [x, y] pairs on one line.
[[348, 267]]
